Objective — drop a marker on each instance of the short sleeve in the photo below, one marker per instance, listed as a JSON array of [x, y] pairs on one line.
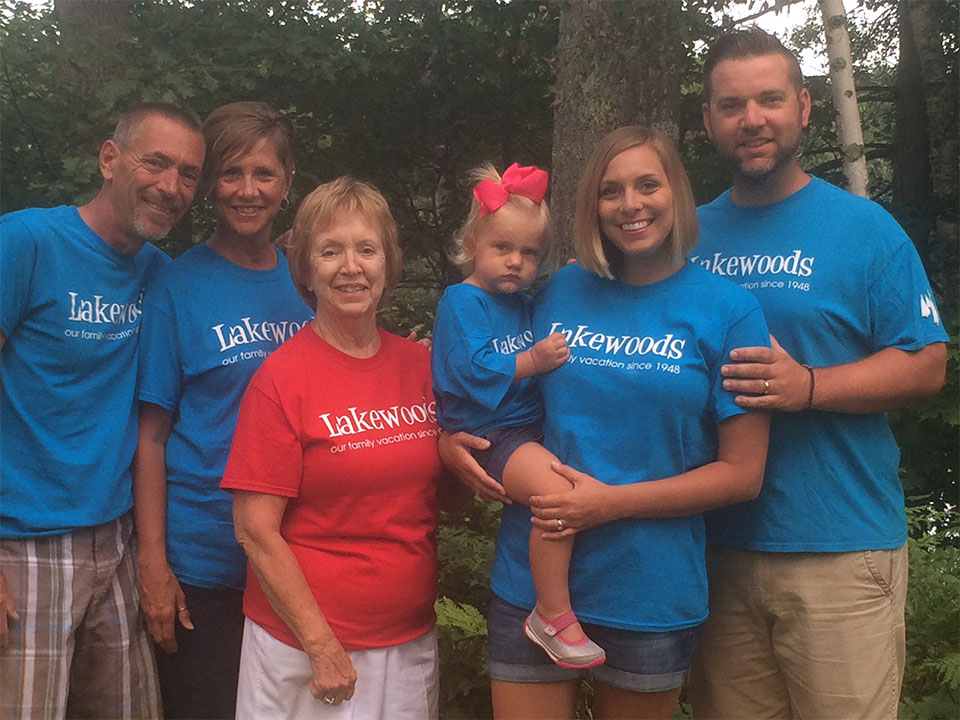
[[903, 312], [472, 368], [266, 455], [749, 331], [160, 370], [18, 258]]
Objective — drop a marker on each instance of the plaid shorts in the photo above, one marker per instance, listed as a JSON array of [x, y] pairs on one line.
[[80, 648]]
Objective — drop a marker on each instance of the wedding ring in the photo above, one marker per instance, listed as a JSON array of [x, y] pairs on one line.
[[766, 387], [181, 609], [559, 525], [328, 700]]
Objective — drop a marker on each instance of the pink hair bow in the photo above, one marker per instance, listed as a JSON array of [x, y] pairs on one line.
[[528, 181]]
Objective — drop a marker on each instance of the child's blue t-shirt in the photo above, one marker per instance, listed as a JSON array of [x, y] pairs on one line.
[[208, 325], [838, 280], [70, 306], [639, 399], [476, 337]]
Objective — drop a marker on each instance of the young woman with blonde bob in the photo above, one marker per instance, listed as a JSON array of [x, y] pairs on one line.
[[640, 411]]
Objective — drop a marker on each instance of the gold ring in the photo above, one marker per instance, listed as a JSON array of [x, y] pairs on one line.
[[766, 387], [181, 609], [559, 525]]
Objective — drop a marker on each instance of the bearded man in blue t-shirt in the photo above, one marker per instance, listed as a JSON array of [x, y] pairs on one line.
[[73, 643], [808, 581]]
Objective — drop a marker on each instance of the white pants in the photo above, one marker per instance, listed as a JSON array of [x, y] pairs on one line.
[[393, 683]]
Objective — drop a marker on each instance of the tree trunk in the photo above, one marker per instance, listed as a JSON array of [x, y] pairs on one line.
[[89, 32], [912, 191], [617, 63], [849, 132], [940, 99]]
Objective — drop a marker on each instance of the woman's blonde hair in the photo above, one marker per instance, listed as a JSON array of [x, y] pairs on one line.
[[465, 241], [324, 207], [597, 253]]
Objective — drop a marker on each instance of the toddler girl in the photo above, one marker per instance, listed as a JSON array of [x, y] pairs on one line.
[[484, 361]]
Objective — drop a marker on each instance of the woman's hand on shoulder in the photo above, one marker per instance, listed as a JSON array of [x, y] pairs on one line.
[[586, 505], [334, 677], [426, 342], [456, 457]]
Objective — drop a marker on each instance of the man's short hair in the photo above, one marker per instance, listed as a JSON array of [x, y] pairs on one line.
[[130, 121], [748, 42]]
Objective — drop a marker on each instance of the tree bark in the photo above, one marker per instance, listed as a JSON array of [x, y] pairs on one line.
[[849, 132], [617, 63], [940, 98], [89, 32], [912, 190]]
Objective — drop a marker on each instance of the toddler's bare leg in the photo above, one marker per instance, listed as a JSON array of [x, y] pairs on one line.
[[528, 473]]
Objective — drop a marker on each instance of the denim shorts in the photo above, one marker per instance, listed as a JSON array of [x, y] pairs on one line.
[[504, 441], [636, 661]]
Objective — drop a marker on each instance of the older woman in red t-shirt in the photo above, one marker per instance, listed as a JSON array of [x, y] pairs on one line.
[[334, 469]]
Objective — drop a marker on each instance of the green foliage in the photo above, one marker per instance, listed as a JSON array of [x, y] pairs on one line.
[[931, 686], [462, 633], [927, 434], [466, 555]]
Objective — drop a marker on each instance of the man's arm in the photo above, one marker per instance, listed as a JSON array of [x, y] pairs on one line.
[[883, 381]]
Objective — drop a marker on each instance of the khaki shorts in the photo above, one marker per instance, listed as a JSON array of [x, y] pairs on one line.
[[802, 635]]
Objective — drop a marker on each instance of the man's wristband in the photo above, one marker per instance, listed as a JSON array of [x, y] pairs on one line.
[[813, 383]]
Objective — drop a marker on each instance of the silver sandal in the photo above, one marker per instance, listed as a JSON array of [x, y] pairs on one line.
[[576, 656]]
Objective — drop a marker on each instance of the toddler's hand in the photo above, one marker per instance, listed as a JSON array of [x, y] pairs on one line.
[[550, 353]]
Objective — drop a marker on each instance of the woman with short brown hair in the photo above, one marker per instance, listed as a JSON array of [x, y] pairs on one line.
[[210, 318]]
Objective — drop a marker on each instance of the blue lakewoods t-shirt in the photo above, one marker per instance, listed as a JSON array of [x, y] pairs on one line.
[[70, 307], [476, 337], [208, 325], [838, 280], [639, 399]]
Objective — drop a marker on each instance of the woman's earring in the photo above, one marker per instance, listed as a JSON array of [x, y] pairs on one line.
[[284, 204]]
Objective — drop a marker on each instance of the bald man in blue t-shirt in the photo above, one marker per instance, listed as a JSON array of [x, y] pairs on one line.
[[70, 304]]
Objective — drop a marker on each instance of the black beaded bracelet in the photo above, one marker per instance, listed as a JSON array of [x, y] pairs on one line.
[[813, 382]]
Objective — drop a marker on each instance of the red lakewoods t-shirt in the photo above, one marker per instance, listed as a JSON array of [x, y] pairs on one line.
[[353, 444]]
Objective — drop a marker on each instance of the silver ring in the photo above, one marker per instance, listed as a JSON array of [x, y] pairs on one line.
[[559, 525], [181, 609], [766, 387], [328, 700]]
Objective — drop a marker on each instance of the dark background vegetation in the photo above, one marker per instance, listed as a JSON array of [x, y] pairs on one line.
[[410, 94]]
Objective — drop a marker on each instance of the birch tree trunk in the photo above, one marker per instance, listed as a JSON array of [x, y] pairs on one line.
[[849, 132]]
